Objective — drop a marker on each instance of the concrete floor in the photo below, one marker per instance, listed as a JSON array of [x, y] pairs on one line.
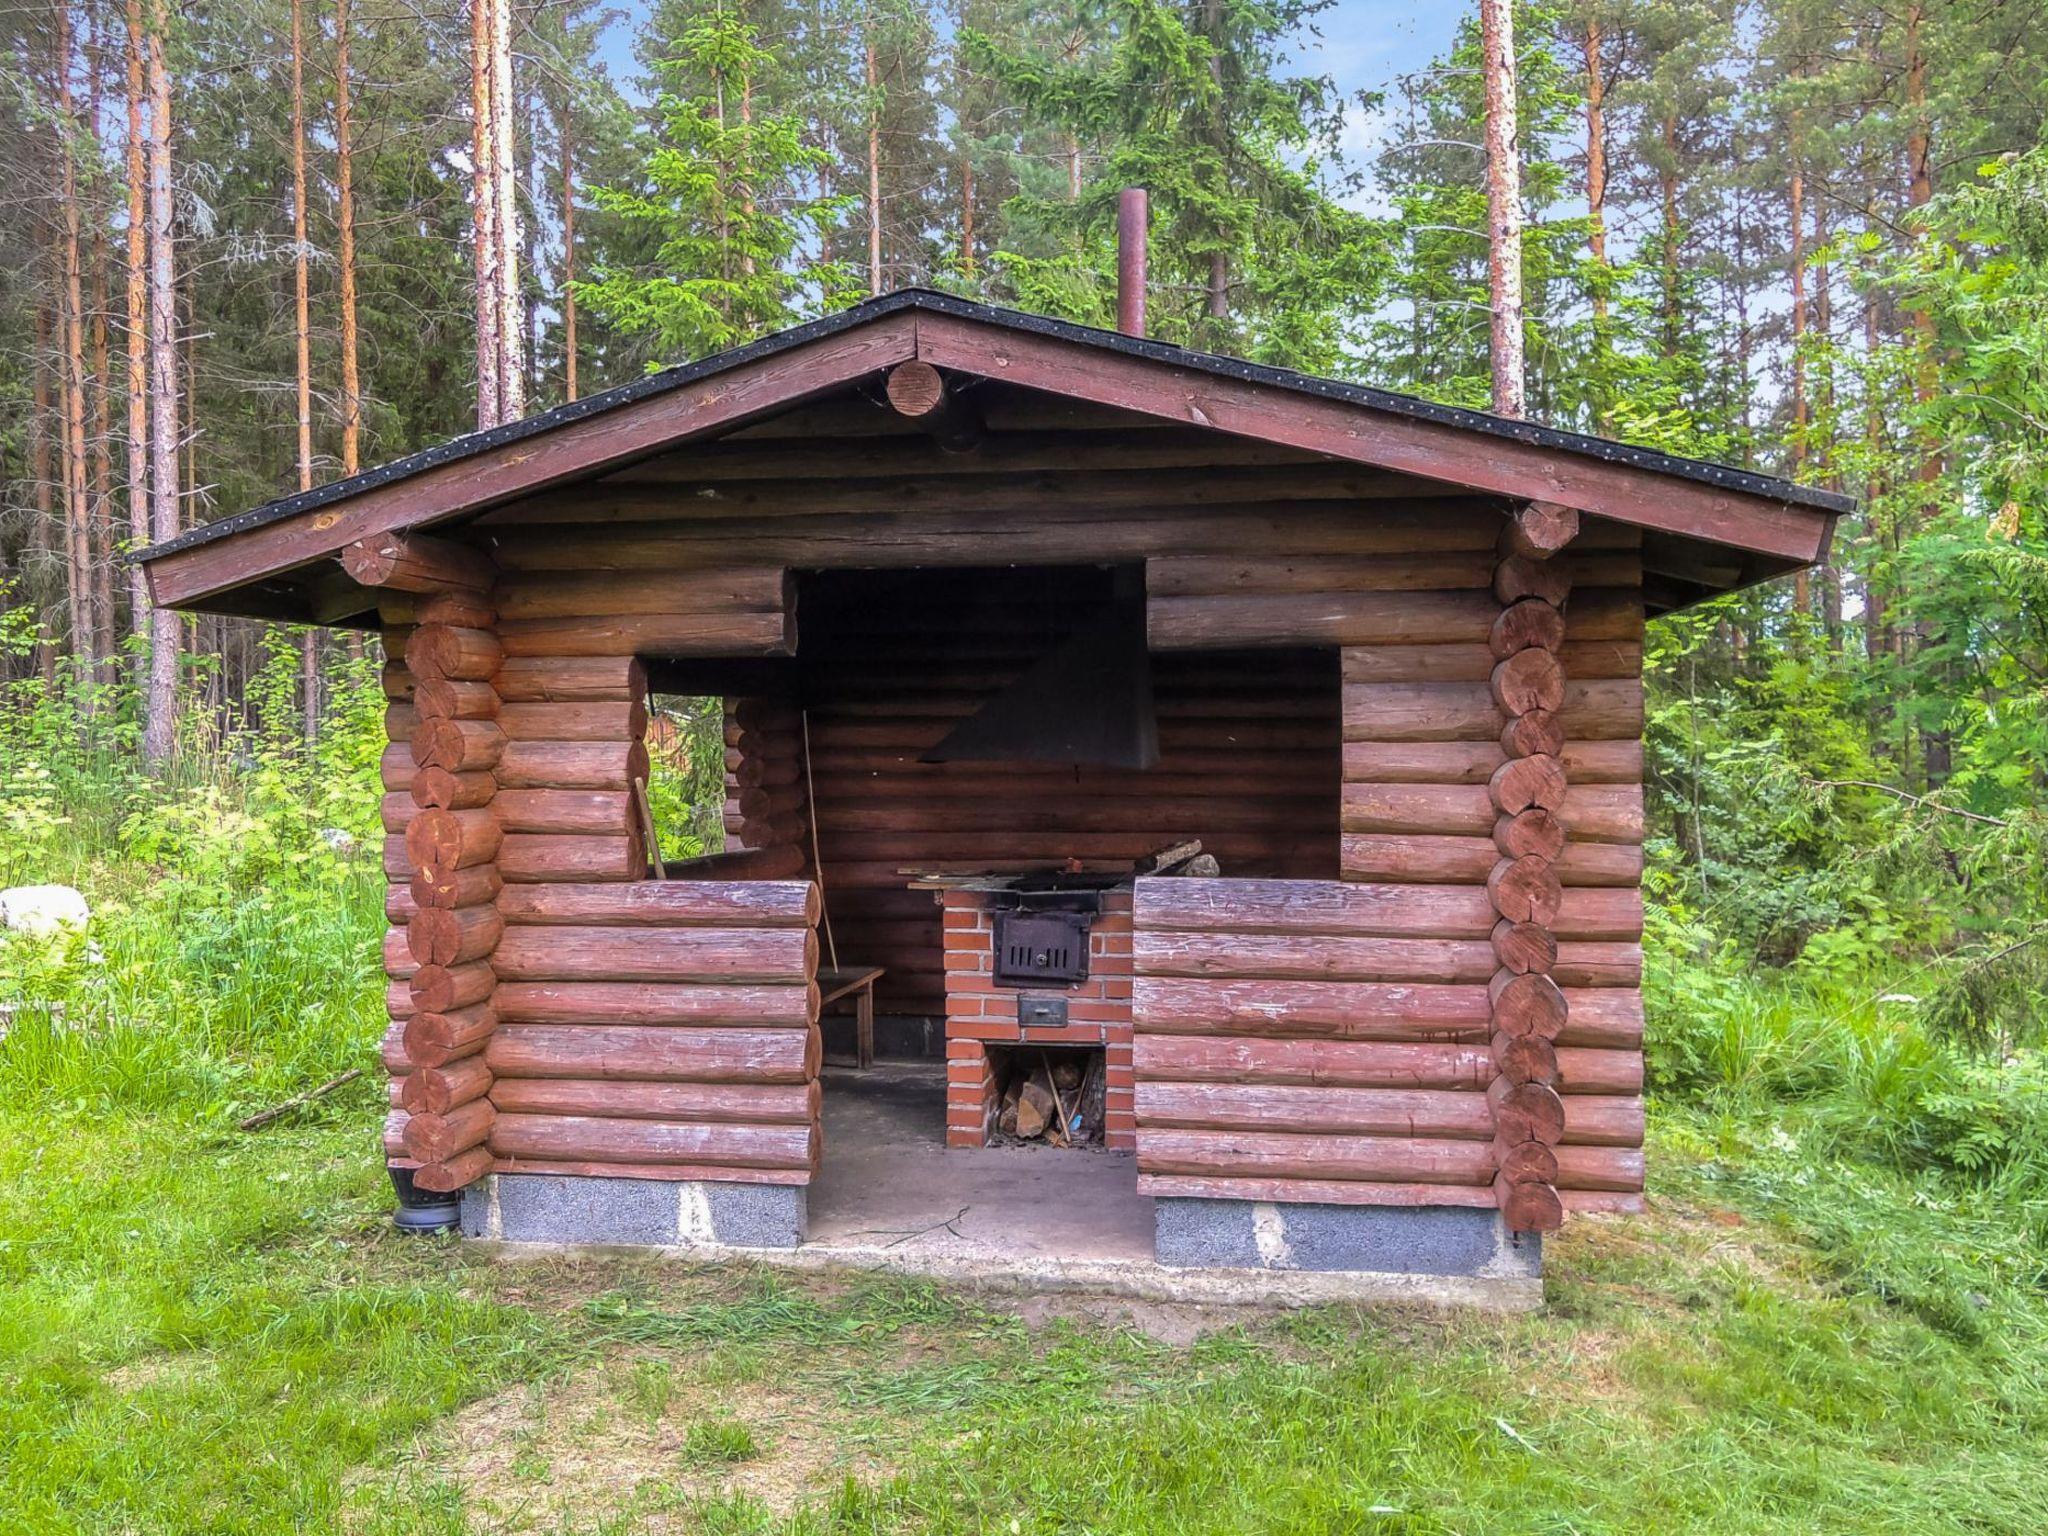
[[889, 1181]]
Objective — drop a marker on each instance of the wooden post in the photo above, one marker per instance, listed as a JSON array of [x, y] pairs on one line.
[[1528, 791]]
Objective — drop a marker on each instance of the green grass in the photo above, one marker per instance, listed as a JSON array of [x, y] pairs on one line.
[[202, 1331], [1823, 1325]]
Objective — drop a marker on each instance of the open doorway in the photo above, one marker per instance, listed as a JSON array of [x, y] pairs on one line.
[[992, 887]]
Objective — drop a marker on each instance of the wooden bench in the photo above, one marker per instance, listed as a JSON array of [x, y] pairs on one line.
[[858, 983]]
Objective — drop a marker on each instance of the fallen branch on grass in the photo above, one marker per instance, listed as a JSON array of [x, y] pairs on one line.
[[264, 1117]]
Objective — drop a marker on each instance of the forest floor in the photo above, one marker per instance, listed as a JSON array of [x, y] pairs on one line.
[[216, 1331]]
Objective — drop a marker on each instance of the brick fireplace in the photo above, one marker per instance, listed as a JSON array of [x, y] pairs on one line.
[[980, 1014]]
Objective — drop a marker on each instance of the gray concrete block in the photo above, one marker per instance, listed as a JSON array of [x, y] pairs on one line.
[[1205, 1234], [476, 1209], [568, 1208], [756, 1215], [1405, 1240]]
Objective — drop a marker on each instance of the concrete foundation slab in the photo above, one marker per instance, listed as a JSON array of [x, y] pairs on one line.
[[655, 1213], [1399, 1240], [889, 1181]]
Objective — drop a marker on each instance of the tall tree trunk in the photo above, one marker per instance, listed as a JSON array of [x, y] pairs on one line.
[[483, 141], [138, 323], [1824, 330], [102, 498], [71, 306], [42, 467], [1219, 259], [565, 132], [166, 632], [345, 240], [967, 217], [504, 166], [1667, 186], [1935, 744], [1802, 585], [1596, 175], [1503, 203], [874, 167], [302, 325]]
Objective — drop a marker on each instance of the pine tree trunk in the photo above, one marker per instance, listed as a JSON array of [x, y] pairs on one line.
[[1667, 187], [71, 305], [967, 217], [874, 170], [484, 213], [138, 324], [302, 328], [42, 465], [166, 631], [1936, 748], [102, 499], [565, 132], [1503, 203], [345, 241], [1596, 175], [504, 166]]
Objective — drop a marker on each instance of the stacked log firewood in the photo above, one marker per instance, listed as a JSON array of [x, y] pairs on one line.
[[1056, 1099], [446, 922], [1528, 792]]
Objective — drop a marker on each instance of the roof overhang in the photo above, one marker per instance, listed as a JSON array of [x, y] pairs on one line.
[[276, 560]]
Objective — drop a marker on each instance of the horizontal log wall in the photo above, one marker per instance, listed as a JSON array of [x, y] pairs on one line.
[[652, 1029], [1329, 1041], [662, 1029]]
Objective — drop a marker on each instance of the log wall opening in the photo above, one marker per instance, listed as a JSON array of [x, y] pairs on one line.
[[1250, 755]]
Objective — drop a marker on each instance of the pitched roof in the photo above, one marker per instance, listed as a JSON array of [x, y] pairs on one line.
[[728, 388]]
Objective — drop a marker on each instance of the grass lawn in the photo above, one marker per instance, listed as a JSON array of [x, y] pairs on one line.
[[209, 1331]]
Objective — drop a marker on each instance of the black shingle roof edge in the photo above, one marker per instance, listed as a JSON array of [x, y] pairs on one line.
[[1650, 460]]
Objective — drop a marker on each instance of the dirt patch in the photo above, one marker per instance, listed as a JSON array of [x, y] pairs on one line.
[[644, 1438], [162, 1370], [1173, 1323]]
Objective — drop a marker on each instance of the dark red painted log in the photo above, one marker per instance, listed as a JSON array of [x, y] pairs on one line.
[[458, 1172], [1528, 681], [448, 651], [654, 1053], [1526, 891], [1524, 1059], [438, 1090], [435, 1138], [1533, 834], [435, 1039], [1522, 782], [464, 888], [1540, 733], [443, 989], [1529, 1111], [1529, 1207], [460, 746], [1530, 1004], [1524, 947], [1531, 624], [450, 936], [578, 1138], [1539, 529]]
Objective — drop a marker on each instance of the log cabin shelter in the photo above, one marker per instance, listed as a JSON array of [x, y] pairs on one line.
[[1006, 615]]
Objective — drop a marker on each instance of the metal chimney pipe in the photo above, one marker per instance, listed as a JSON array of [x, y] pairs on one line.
[[1130, 261]]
